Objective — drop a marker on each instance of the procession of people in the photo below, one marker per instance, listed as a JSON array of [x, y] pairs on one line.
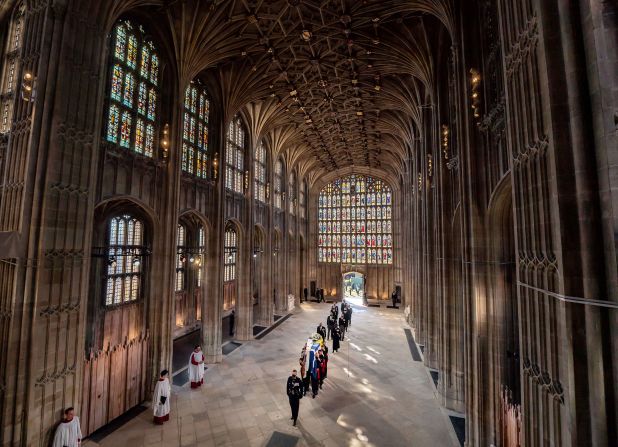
[[313, 359]]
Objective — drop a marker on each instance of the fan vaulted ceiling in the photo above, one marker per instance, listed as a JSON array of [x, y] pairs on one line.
[[348, 74], [328, 84]]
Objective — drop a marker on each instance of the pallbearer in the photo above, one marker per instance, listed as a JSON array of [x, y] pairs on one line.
[[161, 399], [196, 367], [68, 433]]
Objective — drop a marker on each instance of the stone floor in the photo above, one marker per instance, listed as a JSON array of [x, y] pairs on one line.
[[375, 394]]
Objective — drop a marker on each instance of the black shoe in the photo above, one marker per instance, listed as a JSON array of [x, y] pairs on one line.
[[314, 396], [292, 418], [294, 423]]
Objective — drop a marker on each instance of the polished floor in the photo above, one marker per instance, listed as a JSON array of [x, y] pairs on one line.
[[375, 395]]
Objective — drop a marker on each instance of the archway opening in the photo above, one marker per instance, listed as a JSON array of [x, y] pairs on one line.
[[353, 287]]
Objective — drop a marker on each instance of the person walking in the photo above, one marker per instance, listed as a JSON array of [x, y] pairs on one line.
[[342, 327], [323, 360], [321, 330], [294, 390], [334, 310], [394, 299], [336, 334], [303, 370], [316, 373], [348, 316], [305, 292], [330, 323]]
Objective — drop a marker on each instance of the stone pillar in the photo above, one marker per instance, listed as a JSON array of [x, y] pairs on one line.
[[244, 298], [267, 304], [212, 301]]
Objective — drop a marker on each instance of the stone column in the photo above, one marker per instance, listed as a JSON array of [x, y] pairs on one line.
[[212, 300], [244, 298]]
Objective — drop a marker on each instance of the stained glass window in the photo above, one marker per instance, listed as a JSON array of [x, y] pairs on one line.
[[302, 200], [230, 249], [10, 67], [180, 258], [234, 156], [259, 173], [125, 236], [291, 193], [195, 131], [278, 181], [133, 90], [355, 221], [201, 245]]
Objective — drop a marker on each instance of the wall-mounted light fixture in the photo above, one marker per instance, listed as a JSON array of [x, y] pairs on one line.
[[256, 252], [267, 191], [28, 92], [445, 140], [246, 181], [215, 165], [429, 166], [475, 95], [165, 142]]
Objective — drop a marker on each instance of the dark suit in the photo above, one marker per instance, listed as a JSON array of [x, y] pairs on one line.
[[294, 390]]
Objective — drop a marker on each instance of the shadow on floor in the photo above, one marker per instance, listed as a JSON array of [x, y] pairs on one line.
[[279, 439], [459, 424], [114, 425]]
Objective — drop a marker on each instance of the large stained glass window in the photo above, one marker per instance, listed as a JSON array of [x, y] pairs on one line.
[[125, 235], [259, 173], [235, 156], [230, 249], [278, 180], [10, 67], [133, 90], [181, 241], [291, 193], [355, 221], [195, 131]]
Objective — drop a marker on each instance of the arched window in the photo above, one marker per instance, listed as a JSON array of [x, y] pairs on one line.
[[181, 242], [133, 90], [201, 246], [259, 173], [354, 221], [125, 250], [302, 200], [230, 249], [278, 180], [10, 67], [235, 156], [195, 131], [291, 193]]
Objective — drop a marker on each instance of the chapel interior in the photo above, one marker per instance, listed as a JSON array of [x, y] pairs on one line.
[[181, 172]]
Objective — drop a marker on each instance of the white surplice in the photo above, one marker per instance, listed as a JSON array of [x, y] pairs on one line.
[[68, 434], [196, 368], [162, 389]]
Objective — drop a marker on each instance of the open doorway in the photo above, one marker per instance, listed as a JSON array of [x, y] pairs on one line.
[[354, 287]]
